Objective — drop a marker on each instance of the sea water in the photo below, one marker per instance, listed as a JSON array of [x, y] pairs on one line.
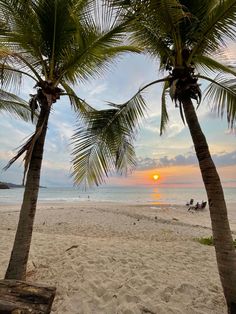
[[125, 194]]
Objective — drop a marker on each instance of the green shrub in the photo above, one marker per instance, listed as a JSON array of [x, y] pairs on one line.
[[206, 241], [209, 241]]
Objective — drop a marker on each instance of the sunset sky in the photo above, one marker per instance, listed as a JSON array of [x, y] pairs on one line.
[[170, 156]]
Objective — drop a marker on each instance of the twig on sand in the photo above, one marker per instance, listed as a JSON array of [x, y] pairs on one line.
[[72, 247], [145, 310]]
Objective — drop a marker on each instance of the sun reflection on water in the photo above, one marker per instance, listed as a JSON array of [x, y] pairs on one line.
[[155, 196]]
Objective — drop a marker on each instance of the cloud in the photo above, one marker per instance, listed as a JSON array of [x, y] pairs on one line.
[[228, 55], [93, 88], [146, 163], [222, 159], [174, 129], [64, 130], [152, 124], [97, 90], [48, 164], [227, 159], [6, 155]]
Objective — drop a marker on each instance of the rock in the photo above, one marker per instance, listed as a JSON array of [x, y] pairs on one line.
[[4, 186]]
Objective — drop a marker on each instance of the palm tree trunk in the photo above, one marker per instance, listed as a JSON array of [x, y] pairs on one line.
[[223, 241], [20, 252]]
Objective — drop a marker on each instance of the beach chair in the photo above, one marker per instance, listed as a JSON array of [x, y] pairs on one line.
[[190, 202], [203, 205], [198, 206]]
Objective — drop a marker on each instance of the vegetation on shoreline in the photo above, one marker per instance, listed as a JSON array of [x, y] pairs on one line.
[[209, 241]]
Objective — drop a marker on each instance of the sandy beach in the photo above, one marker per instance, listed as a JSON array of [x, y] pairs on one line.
[[113, 258]]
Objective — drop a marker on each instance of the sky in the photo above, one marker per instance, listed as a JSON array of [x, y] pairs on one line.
[[171, 155]]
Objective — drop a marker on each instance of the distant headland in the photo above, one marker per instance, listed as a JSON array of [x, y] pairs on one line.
[[8, 185]]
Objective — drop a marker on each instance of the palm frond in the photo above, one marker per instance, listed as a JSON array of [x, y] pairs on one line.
[[9, 77], [22, 31], [63, 40], [153, 41], [4, 51], [164, 113], [105, 145], [208, 64], [58, 27], [80, 106], [125, 157], [181, 111], [105, 15], [26, 148], [95, 50], [20, 64], [14, 105], [154, 25], [215, 28], [221, 94], [170, 12]]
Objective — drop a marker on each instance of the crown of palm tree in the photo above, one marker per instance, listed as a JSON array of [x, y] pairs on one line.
[[187, 37], [56, 44]]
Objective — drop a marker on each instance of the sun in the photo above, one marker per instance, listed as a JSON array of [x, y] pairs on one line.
[[155, 177]]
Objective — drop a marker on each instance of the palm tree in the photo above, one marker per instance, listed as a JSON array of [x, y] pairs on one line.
[[53, 43], [186, 37]]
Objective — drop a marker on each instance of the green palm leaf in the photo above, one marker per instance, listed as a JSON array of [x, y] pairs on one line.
[[58, 43], [9, 76], [14, 105], [221, 93], [80, 106], [164, 113], [95, 50], [22, 30], [207, 64], [105, 145], [216, 26]]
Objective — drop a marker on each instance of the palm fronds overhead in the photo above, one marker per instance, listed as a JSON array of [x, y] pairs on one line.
[[164, 112], [215, 27], [221, 94], [206, 64], [58, 44], [106, 143], [14, 105], [63, 39], [26, 148], [80, 106]]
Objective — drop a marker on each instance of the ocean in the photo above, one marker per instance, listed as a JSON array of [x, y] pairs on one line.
[[125, 194]]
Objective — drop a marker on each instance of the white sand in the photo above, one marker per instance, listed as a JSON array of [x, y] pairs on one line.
[[125, 259]]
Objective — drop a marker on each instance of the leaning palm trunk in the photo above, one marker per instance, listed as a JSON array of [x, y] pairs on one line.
[[223, 241], [20, 252]]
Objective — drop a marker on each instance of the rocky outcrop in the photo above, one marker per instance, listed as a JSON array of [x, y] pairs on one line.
[[4, 186]]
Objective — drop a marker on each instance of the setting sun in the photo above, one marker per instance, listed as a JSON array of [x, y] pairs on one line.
[[155, 177]]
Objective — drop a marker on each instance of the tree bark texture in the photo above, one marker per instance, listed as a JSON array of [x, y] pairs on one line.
[[20, 252], [25, 298], [222, 236]]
